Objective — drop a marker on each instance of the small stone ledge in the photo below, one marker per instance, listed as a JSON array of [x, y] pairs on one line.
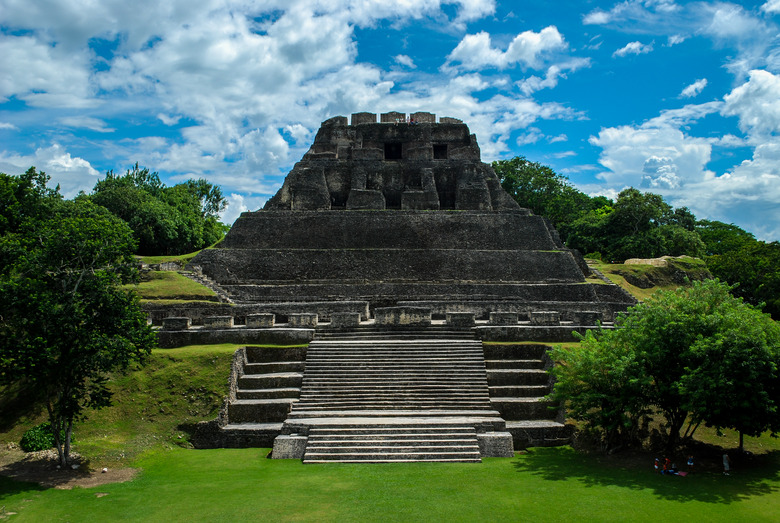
[[554, 333], [176, 324], [289, 446], [402, 317], [495, 445], [461, 320], [277, 336]]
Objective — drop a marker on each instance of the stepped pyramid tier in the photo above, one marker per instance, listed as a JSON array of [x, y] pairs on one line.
[[400, 213], [401, 253]]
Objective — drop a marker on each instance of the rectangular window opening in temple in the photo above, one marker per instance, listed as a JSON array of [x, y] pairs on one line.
[[393, 151], [440, 151]]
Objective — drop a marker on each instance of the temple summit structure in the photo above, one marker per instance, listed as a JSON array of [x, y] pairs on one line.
[[398, 253]]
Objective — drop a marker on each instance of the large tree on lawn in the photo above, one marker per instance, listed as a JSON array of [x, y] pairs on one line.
[[66, 323], [697, 354]]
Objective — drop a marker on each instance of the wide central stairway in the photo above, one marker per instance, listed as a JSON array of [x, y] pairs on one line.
[[394, 397]]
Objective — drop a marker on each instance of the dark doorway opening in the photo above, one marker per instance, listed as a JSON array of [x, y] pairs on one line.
[[393, 151], [440, 151]]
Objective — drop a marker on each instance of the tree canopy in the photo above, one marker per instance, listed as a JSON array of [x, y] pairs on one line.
[[165, 220], [697, 354], [66, 322]]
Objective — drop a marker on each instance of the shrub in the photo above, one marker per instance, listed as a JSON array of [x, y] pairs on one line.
[[40, 437]]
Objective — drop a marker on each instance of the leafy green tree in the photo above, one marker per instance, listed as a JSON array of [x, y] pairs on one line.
[[754, 269], [721, 238], [66, 322], [539, 188], [667, 354], [165, 220], [24, 197]]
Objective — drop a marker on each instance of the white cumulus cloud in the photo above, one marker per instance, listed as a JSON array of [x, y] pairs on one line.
[[633, 48], [694, 89], [476, 51]]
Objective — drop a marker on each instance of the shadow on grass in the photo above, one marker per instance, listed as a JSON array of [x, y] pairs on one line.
[[761, 478], [10, 487]]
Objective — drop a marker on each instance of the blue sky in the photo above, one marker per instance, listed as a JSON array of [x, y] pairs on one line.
[[678, 98]]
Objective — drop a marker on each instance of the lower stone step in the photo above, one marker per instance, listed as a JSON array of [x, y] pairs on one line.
[[524, 408], [256, 410], [267, 394]]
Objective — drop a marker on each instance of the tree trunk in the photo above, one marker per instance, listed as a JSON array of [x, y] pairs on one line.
[[741, 442], [56, 423]]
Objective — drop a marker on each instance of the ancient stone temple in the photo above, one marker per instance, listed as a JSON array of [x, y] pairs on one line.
[[399, 251]]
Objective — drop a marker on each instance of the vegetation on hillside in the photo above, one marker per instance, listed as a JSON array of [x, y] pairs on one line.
[[643, 225], [165, 220], [66, 322]]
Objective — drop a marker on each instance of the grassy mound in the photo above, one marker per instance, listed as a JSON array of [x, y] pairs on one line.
[[177, 387], [170, 285], [643, 280]]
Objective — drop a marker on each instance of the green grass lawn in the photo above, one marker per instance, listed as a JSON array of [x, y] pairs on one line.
[[159, 285], [541, 485], [186, 385]]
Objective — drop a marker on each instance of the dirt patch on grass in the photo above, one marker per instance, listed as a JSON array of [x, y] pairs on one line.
[[42, 468]]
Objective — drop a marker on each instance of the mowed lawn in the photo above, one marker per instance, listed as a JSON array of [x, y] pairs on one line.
[[540, 485]]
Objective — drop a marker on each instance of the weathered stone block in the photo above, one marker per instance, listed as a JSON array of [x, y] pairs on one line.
[[494, 444], [218, 322], [447, 119], [460, 319], [363, 118], [419, 200], [260, 321], [302, 320], [503, 318], [289, 447], [176, 324], [476, 198], [365, 199], [393, 117], [344, 320], [421, 117], [586, 317], [545, 318], [402, 316]]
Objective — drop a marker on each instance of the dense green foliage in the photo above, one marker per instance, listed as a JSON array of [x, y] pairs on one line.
[[165, 220], [66, 320], [40, 437], [696, 354], [643, 225], [636, 225]]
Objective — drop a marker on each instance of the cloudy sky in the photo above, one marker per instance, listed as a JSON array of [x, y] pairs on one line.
[[678, 98]]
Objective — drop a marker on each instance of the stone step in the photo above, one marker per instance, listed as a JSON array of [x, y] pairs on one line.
[[297, 414], [374, 443], [517, 377], [273, 367], [275, 354], [409, 457], [409, 446], [259, 394], [539, 433], [394, 395], [514, 364], [271, 381], [518, 391], [511, 351], [253, 410], [524, 408]]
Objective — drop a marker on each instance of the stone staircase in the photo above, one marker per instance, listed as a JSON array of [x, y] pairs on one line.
[[518, 383], [389, 444], [195, 273], [393, 397], [267, 384]]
